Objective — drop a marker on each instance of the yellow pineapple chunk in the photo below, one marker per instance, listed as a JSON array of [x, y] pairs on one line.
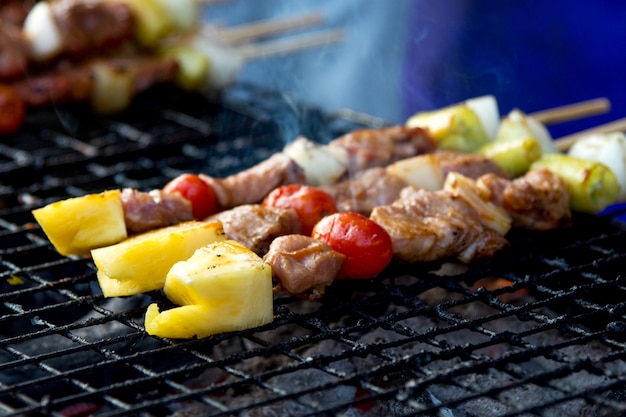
[[77, 225], [141, 262], [223, 287], [115, 288]]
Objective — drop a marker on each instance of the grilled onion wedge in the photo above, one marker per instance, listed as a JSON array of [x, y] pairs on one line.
[[223, 287]]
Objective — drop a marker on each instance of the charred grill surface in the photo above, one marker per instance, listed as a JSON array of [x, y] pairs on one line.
[[435, 339]]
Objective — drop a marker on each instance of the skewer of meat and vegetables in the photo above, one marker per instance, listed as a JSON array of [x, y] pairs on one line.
[[449, 184], [106, 52]]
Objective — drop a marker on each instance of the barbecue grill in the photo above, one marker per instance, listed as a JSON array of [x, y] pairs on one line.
[[436, 339]]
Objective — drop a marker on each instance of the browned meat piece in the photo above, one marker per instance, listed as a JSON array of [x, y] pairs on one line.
[[371, 188], [13, 52], [303, 266], [92, 26], [13, 12], [256, 226], [538, 200], [368, 148], [426, 226], [470, 165], [252, 185], [70, 84], [146, 211]]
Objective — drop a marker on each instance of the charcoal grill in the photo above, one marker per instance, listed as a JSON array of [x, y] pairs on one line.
[[430, 339]]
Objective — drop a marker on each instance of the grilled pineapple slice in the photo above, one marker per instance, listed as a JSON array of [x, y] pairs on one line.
[[223, 287], [140, 263], [77, 225]]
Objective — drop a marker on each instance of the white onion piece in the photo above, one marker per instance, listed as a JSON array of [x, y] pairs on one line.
[[422, 171], [184, 14], [224, 63], [537, 130], [41, 31], [112, 90], [608, 149], [486, 108], [321, 166]]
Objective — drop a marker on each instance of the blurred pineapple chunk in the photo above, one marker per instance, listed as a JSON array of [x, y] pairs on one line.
[[223, 287], [77, 225], [140, 263]]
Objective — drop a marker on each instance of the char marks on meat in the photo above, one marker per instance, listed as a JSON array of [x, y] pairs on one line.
[[538, 200], [146, 211], [368, 189], [368, 148], [303, 266], [86, 26], [253, 184], [256, 226], [427, 226]]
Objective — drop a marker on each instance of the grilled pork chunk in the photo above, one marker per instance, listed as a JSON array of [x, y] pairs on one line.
[[369, 148], [13, 52], [74, 83], [87, 26], [538, 200], [253, 184], [146, 211], [368, 189], [433, 225], [256, 226], [302, 265], [469, 165]]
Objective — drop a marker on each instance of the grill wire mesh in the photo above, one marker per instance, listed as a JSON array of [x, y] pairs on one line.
[[433, 340]]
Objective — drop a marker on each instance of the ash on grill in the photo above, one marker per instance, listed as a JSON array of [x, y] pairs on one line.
[[538, 331]]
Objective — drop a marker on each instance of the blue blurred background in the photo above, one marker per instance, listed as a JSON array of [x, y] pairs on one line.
[[404, 56]]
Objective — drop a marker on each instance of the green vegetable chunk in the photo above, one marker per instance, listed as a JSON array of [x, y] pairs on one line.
[[592, 185], [514, 156]]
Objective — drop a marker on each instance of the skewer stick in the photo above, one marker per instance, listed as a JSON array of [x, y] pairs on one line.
[[289, 45], [211, 1], [239, 34], [566, 142], [572, 111]]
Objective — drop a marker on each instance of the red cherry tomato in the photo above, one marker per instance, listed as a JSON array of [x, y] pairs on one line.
[[12, 110], [366, 245], [311, 204], [202, 197]]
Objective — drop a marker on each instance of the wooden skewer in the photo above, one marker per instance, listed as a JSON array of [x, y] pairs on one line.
[[239, 34], [211, 1], [289, 45], [572, 111], [566, 142]]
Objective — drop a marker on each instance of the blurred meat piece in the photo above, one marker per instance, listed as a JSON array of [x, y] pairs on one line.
[[252, 185], [87, 26], [368, 189], [69, 83], [369, 148], [302, 265], [13, 52], [538, 200], [470, 165], [256, 226], [13, 12], [427, 226], [146, 211]]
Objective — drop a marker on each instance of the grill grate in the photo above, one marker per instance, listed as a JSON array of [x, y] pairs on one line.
[[426, 340]]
